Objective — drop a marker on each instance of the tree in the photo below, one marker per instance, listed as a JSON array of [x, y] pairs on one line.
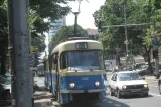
[[140, 11], [111, 13], [64, 33], [39, 10], [39, 43], [3, 36]]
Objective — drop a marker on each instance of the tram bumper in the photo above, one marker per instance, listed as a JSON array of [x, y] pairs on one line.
[[84, 95], [83, 91]]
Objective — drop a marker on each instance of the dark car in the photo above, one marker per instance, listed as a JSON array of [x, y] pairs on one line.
[[159, 84], [5, 88]]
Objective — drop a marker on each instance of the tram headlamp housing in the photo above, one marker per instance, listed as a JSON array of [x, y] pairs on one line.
[[97, 83], [72, 85], [145, 86]]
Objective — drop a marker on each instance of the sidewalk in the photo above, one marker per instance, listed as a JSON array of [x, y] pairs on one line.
[[42, 98], [151, 79]]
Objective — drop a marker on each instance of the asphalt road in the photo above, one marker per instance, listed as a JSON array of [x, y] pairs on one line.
[[153, 100]]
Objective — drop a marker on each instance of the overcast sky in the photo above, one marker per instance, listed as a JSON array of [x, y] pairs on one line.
[[85, 18]]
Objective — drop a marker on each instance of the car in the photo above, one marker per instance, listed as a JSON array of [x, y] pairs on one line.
[[125, 83], [159, 84], [5, 88], [8, 76], [141, 69]]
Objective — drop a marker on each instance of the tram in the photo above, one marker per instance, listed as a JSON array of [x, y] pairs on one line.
[[77, 71]]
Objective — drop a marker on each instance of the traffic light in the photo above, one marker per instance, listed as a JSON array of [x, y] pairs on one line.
[[155, 53], [99, 26]]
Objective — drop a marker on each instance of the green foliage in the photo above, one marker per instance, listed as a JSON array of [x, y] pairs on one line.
[[157, 4], [111, 13], [41, 9], [140, 11], [64, 33], [3, 35], [39, 42], [38, 11]]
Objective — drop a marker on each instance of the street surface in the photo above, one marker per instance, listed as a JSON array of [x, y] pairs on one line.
[[153, 100]]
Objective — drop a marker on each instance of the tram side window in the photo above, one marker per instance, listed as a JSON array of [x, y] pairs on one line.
[[63, 61]]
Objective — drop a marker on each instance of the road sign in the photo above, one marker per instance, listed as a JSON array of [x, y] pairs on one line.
[[118, 49], [33, 49], [155, 42], [33, 59], [126, 42]]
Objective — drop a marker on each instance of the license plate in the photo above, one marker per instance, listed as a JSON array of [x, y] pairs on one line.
[[135, 90]]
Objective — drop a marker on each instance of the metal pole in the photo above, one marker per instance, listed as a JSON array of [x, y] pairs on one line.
[[75, 22], [11, 51], [21, 53], [157, 58], [125, 27]]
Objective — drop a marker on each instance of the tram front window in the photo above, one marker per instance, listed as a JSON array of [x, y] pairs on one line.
[[85, 60]]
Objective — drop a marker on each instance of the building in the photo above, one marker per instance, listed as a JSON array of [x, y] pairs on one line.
[[55, 26], [93, 34]]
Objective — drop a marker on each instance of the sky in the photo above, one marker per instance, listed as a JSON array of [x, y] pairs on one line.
[[85, 18]]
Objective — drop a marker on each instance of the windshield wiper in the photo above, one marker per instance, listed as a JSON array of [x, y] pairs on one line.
[[90, 69]]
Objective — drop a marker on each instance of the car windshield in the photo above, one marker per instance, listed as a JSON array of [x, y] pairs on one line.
[[128, 76], [85, 60]]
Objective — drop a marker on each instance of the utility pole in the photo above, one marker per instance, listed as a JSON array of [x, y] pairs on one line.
[[11, 50], [21, 53], [125, 27], [75, 22], [155, 36]]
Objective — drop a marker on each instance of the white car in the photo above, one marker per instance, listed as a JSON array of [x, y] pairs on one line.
[[125, 83]]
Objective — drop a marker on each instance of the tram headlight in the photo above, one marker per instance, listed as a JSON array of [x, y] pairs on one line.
[[145, 86], [72, 85], [97, 83]]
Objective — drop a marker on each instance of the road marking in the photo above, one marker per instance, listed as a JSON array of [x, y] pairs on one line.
[[155, 94]]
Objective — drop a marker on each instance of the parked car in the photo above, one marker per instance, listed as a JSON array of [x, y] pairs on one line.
[[159, 85], [5, 88], [141, 69], [125, 83], [8, 76]]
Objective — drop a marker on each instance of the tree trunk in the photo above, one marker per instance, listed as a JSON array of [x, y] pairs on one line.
[[148, 54], [3, 68], [150, 69]]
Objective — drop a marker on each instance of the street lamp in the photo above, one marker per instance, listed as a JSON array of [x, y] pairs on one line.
[[75, 22], [76, 16]]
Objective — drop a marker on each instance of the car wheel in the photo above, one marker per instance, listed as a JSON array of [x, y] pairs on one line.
[[111, 92], [159, 86], [118, 93]]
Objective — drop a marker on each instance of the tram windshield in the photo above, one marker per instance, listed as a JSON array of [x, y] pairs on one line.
[[85, 60]]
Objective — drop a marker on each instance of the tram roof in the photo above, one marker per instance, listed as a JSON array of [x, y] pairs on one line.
[[63, 44]]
